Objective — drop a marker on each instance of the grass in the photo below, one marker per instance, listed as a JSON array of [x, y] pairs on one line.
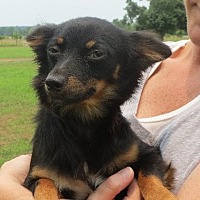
[[15, 52], [18, 103], [175, 38], [12, 42]]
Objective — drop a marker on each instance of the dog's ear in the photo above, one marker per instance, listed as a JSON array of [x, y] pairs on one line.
[[40, 35], [38, 40], [147, 48]]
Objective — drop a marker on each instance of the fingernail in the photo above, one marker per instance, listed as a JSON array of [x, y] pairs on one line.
[[127, 173]]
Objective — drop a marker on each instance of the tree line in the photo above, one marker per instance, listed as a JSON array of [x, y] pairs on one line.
[[16, 32], [161, 16]]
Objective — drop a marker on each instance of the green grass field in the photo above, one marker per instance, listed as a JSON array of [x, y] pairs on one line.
[[15, 52], [18, 103]]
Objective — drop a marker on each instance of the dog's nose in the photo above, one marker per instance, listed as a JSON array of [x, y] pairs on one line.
[[54, 84]]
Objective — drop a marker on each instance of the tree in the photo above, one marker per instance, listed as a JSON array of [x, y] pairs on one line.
[[16, 35], [1, 38], [129, 19], [133, 11], [161, 16]]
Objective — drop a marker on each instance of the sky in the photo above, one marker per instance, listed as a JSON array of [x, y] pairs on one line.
[[32, 12]]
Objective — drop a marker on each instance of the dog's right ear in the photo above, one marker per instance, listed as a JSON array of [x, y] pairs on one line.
[[40, 35], [147, 48]]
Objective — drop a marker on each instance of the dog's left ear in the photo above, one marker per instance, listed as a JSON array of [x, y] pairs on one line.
[[147, 48]]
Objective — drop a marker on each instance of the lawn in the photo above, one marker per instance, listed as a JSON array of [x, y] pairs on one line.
[[18, 103], [15, 52]]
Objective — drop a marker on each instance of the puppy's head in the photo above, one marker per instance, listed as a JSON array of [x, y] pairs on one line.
[[88, 67]]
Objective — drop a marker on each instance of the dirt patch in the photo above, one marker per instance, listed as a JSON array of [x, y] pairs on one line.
[[4, 127], [15, 59]]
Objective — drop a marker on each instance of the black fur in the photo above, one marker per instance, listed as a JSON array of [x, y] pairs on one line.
[[87, 69]]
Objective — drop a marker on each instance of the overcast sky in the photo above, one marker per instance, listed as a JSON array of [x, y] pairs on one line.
[[32, 12]]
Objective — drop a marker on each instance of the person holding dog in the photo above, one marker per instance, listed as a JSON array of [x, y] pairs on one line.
[[167, 113]]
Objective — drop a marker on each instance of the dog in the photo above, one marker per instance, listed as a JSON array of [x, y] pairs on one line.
[[87, 69]]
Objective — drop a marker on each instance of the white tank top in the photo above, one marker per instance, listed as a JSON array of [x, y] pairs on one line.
[[153, 124], [178, 139]]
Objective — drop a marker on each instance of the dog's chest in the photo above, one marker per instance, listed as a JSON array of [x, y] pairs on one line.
[[80, 188]]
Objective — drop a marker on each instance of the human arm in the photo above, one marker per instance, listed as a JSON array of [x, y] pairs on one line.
[[12, 175], [191, 187]]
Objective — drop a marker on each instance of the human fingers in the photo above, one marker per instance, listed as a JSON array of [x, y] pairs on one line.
[[133, 192], [17, 168], [113, 185]]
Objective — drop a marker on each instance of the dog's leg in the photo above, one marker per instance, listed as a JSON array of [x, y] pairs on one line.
[[152, 188], [46, 190]]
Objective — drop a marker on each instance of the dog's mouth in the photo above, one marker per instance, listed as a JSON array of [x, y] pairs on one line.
[[70, 96], [74, 91], [87, 100]]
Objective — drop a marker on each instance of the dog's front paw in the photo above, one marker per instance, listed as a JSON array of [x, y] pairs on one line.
[[152, 188], [46, 190]]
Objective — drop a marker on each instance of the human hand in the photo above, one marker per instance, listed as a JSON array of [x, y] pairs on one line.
[[115, 184], [14, 172], [12, 176]]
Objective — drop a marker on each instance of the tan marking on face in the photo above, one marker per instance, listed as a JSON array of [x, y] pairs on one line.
[[123, 159], [90, 44], [116, 72], [74, 85], [92, 107], [96, 102], [81, 188], [152, 188], [60, 40], [100, 88]]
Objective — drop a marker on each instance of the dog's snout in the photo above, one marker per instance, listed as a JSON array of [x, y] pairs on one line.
[[54, 84]]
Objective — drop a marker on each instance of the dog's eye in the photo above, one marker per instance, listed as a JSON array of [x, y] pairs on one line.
[[96, 55], [53, 50]]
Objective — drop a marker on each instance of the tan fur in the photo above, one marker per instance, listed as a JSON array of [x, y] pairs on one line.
[[80, 187], [46, 190], [60, 40], [123, 159], [35, 42], [116, 72], [152, 188], [93, 106], [90, 44], [75, 85], [152, 54]]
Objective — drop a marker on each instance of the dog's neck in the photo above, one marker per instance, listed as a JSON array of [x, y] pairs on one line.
[[85, 141]]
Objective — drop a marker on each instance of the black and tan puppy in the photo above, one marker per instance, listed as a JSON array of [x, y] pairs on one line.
[[87, 69]]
